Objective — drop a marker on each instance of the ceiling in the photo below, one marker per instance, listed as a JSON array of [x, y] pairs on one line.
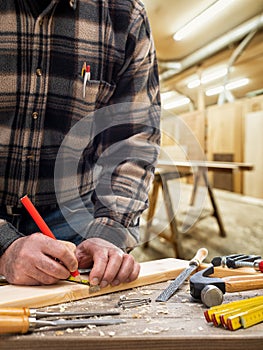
[[211, 45]]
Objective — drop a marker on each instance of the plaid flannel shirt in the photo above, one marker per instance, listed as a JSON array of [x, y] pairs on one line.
[[43, 96]]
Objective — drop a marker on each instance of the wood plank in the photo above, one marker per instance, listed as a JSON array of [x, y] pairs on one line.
[[151, 272], [253, 185], [64, 291]]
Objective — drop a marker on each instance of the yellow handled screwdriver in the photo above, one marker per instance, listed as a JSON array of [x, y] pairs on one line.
[[24, 324], [24, 311]]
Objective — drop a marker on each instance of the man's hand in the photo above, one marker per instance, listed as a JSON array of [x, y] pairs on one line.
[[37, 259], [110, 264]]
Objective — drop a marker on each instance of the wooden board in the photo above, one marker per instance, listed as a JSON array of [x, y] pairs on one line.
[[224, 136], [253, 127], [151, 272]]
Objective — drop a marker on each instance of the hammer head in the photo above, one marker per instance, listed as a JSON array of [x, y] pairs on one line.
[[200, 280]]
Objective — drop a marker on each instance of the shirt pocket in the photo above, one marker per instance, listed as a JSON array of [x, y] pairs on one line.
[[93, 95]]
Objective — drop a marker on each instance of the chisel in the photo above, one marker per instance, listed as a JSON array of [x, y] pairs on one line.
[[174, 285], [25, 324], [24, 311]]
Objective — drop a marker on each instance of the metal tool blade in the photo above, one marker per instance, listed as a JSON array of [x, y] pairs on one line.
[[76, 323], [194, 263], [40, 314], [174, 285]]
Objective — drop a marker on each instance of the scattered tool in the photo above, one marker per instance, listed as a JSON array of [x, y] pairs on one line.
[[237, 314], [229, 260], [24, 311], [127, 303], [201, 280], [174, 285], [24, 324], [257, 264]]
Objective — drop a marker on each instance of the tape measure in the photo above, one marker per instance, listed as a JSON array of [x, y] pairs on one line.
[[243, 313]]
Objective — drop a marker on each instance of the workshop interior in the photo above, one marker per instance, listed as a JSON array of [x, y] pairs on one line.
[[210, 58], [201, 248]]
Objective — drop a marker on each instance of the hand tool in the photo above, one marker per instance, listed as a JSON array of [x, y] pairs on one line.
[[174, 285], [225, 260], [256, 264], [92, 288], [228, 284], [41, 224], [237, 314], [24, 324], [24, 311]]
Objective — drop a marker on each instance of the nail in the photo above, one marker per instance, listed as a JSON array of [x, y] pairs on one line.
[[95, 281], [103, 284], [115, 283]]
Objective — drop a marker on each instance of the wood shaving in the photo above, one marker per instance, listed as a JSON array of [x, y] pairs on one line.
[[111, 334], [102, 334], [146, 292], [62, 308], [69, 330], [59, 333], [136, 316], [155, 331], [92, 326], [162, 311]]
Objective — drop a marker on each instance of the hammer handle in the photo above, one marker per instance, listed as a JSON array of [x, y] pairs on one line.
[[241, 283]]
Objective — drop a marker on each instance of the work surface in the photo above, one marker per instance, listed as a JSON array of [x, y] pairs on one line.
[[177, 324]]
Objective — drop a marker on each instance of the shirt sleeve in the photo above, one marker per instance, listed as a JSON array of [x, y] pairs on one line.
[[8, 234], [128, 149]]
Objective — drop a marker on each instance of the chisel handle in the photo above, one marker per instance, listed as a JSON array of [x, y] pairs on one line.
[[13, 311], [14, 324], [242, 283], [199, 257]]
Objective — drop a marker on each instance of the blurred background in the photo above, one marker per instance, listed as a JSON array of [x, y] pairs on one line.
[[210, 57]]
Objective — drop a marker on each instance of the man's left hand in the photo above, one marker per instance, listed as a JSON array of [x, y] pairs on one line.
[[110, 265]]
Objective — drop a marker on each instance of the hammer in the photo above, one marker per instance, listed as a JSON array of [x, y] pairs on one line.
[[211, 289]]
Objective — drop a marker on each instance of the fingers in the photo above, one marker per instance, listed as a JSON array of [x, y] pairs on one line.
[[110, 264], [37, 259]]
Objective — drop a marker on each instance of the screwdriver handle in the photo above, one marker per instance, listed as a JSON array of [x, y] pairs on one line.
[[13, 311], [199, 257], [14, 324]]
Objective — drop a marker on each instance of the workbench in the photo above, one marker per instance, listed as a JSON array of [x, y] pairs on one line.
[[198, 170], [177, 324]]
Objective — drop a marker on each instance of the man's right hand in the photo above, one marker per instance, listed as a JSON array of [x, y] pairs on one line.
[[36, 260]]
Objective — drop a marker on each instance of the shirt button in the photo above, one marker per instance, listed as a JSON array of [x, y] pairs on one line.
[[39, 72], [34, 115], [30, 156]]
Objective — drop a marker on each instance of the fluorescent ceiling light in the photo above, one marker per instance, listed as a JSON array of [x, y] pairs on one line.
[[230, 86], [177, 103], [208, 77], [200, 19], [168, 95], [236, 84], [194, 83], [214, 91]]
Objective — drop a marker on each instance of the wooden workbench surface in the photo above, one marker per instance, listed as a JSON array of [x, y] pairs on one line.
[[177, 324]]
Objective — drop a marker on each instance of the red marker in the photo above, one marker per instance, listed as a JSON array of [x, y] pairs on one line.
[[41, 223]]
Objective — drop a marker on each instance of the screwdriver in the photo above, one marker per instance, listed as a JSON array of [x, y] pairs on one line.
[[24, 324], [24, 311]]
